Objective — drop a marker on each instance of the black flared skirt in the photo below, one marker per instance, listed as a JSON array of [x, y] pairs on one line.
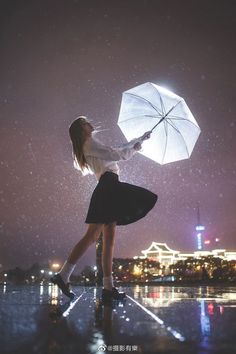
[[115, 201]]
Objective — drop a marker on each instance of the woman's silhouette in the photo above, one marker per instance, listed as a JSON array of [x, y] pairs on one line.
[[112, 202]]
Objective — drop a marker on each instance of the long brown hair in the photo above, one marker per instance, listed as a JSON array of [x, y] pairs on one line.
[[78, 139]]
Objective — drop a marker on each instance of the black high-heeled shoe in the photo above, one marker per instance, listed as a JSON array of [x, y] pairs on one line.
[[65, 288], [113, 294]]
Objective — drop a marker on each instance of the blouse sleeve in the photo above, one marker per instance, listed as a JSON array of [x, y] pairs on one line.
[[103, 152]]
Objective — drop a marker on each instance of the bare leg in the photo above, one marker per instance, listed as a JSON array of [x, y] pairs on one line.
[[107, 248], [109, 291], [90, 237], [62, 278]]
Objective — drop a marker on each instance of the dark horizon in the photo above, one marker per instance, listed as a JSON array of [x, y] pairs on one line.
[[66, 58]]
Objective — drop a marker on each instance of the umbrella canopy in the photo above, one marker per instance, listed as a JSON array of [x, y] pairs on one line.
[[174, 129]]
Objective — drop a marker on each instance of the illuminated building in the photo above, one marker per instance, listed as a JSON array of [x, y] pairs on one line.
[[162, 253]]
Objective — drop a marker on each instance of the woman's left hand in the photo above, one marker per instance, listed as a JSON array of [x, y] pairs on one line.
[[137, 146]]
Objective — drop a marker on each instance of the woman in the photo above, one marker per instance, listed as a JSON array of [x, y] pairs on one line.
[[112, 202]]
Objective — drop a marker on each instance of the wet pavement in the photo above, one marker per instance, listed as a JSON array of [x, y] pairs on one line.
[[153, 319]]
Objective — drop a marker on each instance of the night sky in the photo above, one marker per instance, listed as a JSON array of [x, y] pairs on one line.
[[60, 59]]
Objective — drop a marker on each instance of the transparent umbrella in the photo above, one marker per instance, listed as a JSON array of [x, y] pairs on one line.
[[149, 107]]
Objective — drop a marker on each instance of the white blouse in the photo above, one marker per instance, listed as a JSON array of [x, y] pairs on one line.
[[102, 158]]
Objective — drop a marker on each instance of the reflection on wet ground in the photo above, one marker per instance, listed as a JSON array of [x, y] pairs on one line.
[[153, 319]]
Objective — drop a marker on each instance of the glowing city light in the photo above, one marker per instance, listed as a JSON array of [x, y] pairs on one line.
[[199, 241], [210, 309], [137, 270], [55, 265], [200, 228]]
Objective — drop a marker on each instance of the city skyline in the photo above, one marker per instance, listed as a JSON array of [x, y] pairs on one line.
[[65, 58]]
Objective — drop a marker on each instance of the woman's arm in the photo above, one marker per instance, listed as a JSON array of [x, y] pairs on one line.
[[136, 143], [96, 149], [124, 152]]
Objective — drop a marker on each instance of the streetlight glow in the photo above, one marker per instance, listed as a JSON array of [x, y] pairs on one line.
[[55, 265]]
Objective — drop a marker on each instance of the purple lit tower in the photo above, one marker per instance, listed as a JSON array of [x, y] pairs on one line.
[[199, 231]]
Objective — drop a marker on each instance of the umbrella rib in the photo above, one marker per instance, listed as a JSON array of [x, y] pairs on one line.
[[166, 129], [144, 99], [143, 116], [174, 127], [162, 105], [152, 116], [180, 118]]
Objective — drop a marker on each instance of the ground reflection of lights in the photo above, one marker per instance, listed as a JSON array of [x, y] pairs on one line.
[[71, 306], [176, 334], [98, 345], [41, 291], [156, 297], [54, 294], [164, 297], [211, 301], [205, 322], [49, 289], [94, 294]]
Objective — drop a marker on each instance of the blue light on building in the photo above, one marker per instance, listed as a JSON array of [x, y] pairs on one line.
[[199, 228], [199, 241]]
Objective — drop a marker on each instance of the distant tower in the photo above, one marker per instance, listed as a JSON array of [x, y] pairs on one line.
[[199, 230]]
